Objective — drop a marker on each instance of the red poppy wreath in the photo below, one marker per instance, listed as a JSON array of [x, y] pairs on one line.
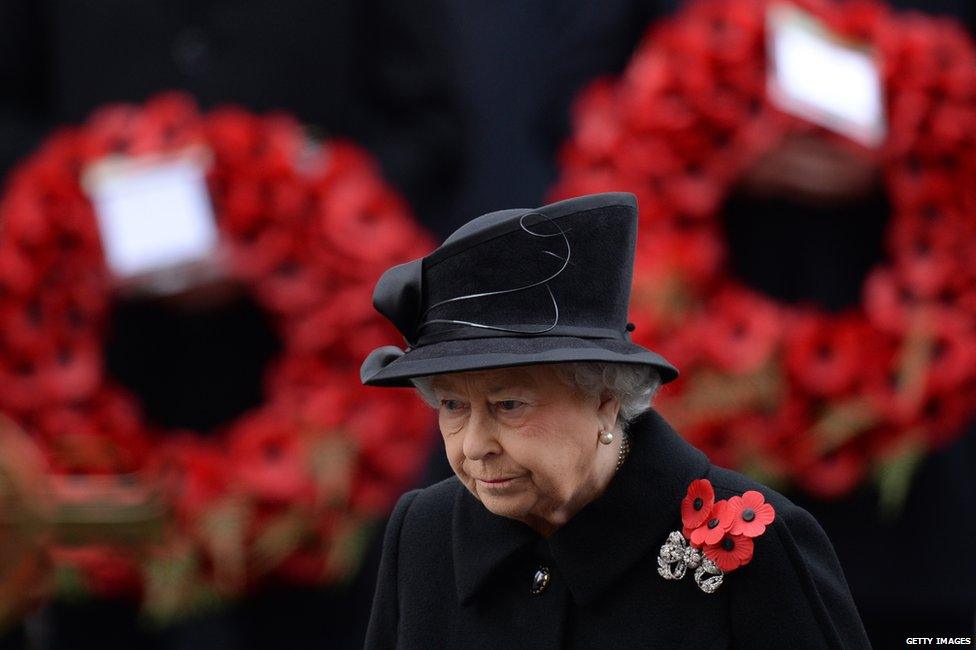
[[288, 489], [793, 393]]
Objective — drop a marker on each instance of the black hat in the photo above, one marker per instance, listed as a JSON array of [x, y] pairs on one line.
[[513, 288]]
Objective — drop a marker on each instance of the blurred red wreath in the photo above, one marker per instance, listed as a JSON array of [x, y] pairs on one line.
[[286, 491], [790, 393]]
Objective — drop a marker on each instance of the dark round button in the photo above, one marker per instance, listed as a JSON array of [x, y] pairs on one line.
[[540, 580], [712, 523], [728, 544], [748, 514], [698, 503]]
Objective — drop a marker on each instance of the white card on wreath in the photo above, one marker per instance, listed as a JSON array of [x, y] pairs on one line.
[[822, 77], [155, 217]]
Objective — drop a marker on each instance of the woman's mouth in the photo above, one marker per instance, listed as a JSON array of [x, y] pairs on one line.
[[497, 483]]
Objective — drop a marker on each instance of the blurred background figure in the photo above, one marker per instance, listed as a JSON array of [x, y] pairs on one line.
[[464, 106]]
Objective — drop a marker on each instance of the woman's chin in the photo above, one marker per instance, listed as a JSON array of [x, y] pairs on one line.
[[506, 510], [502, 503]]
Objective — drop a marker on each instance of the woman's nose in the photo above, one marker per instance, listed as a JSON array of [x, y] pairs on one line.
[[480, 439]]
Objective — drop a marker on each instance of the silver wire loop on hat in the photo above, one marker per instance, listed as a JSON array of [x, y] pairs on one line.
[[545, 281]]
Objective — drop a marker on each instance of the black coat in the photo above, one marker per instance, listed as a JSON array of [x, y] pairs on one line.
[[453, 575]]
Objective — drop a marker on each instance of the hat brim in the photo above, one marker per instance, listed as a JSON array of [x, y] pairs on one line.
[[390, 366]]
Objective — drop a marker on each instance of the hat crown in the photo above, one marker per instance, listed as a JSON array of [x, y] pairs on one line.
[[481, 223], [563, 269]]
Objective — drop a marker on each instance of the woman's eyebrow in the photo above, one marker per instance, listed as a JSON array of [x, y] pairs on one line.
[[447, 389], [508, 388]]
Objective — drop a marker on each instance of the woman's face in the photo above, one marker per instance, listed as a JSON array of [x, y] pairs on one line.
[[526, 444]]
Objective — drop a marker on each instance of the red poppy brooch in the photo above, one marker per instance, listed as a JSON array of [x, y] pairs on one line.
[[716, 536]]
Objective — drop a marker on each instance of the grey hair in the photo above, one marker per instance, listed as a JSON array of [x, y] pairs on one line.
[[633, 386]]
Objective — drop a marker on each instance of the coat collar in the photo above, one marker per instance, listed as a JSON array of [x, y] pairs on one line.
[[607, 537]]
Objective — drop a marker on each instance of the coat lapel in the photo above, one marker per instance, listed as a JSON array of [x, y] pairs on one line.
[[483, 543]]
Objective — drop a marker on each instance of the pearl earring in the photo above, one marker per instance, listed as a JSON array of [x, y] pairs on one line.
[[606, 437]]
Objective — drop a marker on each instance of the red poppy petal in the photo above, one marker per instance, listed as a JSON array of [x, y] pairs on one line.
[[765, 514], [728, 560], [723, 559], [692, 518], [724, 514], [752, 499], [701, 488], [714, 536], [738, 527], [743, 549], [698, 489]]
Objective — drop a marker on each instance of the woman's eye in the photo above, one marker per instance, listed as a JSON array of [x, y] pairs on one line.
[[451, 404], [509, 405]]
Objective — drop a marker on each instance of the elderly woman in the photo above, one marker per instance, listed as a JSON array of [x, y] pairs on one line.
[[577, 517]]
